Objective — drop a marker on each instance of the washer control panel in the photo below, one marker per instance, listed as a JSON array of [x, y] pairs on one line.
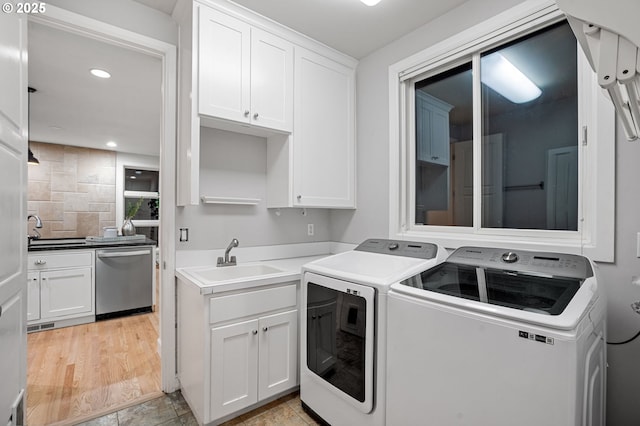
[[555, 264], [399, 248]]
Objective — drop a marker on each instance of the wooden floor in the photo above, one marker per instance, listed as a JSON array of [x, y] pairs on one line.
[[80, 372]]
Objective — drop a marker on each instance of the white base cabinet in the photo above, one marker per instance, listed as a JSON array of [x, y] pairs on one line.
[[236, 350], [60, 288], [252, 360]]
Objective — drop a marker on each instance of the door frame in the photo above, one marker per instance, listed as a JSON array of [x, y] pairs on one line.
[[167, 53]]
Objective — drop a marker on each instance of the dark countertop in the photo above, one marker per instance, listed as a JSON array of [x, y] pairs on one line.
[[46, 244]]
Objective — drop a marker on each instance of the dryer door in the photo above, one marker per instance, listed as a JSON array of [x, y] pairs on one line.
[[338, 334]]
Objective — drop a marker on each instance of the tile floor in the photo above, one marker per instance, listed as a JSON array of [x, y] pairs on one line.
[[171, 409]]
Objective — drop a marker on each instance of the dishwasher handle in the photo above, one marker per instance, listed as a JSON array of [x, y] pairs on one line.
[[111, 253]]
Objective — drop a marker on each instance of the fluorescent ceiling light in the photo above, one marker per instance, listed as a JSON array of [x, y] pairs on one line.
[[503, 77], [112, 144], [100, 73], [370, 2]]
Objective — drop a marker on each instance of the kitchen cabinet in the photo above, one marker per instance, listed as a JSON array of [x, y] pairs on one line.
[[60, 289], [432, 129], [252, 360], [245, 74], [316, 168], [237, 349]]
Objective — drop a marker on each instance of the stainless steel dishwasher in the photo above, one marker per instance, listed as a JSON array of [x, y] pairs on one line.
[[124, 281]]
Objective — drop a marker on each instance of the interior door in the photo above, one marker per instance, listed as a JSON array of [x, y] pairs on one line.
[[13, 211]]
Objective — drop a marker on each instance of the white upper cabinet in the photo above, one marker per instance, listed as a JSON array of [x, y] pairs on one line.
[[244, 74], [324, 133], [432, 129]]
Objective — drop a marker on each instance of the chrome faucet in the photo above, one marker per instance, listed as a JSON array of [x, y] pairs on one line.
[[228, 261], [38, 226]]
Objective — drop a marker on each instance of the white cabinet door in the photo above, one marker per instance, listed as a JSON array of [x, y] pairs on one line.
[[234, 368], [33, 296], [278, 360], [244, 74], [224, 61], [432, 129], [324, 135], [65, 292], [271, 81]]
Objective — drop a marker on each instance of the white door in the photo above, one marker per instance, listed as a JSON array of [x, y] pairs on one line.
[[234, 368], [13, 211], [562, 188], [278, 353], [224, 66], [271, 81], [65, 292], [323, 137]]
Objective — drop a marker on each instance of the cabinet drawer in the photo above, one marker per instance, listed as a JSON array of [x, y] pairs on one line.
[[62, 260], [251, 303]]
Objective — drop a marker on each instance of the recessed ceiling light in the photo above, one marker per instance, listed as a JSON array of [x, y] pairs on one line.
[[100, 73], [138, 172], [112, 144], [370, 2], [132, 177]]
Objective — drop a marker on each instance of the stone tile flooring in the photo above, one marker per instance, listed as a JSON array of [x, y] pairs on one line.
[[171, 409]]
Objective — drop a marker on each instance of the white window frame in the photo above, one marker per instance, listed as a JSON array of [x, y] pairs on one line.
[[596, 148]]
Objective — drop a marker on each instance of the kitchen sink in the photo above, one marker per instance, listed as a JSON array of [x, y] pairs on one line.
[[227, 273], [57, 242]]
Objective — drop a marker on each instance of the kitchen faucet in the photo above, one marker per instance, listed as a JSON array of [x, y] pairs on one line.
[[38, 226], [226, 261]]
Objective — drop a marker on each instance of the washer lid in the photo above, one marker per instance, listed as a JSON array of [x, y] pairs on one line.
[[373, 269]]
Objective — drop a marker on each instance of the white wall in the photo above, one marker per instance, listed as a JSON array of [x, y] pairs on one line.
[[371, 217], [235, 165], [125, 14]]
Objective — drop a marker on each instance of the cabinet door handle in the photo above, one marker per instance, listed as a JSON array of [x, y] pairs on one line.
[[299, 197], [255, 116], [254, 332], [246, 113], [40, 262], [265, 328]]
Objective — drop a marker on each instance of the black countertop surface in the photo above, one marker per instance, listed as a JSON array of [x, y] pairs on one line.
[[46, 244]]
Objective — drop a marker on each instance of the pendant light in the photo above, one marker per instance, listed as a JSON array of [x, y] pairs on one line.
[[32, 159]]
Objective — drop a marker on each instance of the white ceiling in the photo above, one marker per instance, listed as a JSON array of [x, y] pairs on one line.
[[72, 107], [349, 25]]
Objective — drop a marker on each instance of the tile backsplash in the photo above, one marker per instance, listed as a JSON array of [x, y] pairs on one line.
[[73, 190]]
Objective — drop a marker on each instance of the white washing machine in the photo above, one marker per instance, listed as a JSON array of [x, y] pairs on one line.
[[343, 327], [495, 337]]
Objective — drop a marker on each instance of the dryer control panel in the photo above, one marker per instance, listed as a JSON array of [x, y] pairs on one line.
[[554, 264], [399, 248]]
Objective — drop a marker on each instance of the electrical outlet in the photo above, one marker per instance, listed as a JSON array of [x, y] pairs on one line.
[[310, 230]]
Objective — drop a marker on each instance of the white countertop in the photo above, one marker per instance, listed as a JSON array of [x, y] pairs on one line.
[[289, 270]]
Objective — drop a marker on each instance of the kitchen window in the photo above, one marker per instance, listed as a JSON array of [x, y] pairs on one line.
[[501, 137]]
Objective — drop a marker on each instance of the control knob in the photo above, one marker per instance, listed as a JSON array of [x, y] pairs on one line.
[[510, 257]]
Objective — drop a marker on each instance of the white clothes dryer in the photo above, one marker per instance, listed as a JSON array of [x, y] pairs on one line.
[[343, 327], [495, 337]]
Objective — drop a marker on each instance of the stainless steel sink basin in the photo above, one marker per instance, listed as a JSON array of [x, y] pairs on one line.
[[210, 275]]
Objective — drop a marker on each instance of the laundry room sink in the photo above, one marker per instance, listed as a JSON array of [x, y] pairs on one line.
[[234, 272]]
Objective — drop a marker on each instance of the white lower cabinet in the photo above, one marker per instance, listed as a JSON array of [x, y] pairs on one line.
[[252, 360], [243, 354], [60, 289]]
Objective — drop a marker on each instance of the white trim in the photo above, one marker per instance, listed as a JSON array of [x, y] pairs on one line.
[[596, 236], [149, 195], [108, 33]]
